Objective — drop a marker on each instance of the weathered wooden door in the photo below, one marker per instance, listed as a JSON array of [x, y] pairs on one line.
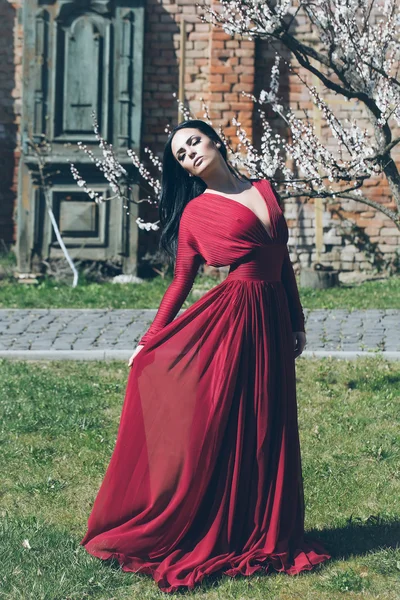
[[79, 56]]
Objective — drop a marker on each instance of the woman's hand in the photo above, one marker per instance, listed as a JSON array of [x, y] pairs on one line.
[[137, 350], [299, 341]]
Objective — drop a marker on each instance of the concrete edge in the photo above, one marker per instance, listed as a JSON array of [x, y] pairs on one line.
[[352, 354], [124, 355], [66, 354]]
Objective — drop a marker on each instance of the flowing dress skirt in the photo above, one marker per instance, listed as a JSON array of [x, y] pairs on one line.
[[206, 473]]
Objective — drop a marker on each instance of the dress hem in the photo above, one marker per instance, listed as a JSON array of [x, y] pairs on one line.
[[305, 559]]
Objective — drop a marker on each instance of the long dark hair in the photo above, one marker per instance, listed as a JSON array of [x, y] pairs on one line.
[[178, 187]]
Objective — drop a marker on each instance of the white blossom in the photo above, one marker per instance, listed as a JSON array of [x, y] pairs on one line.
[[355, 52], [360, 58]]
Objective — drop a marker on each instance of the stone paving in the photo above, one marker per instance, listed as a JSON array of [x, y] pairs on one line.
[[107, 333]]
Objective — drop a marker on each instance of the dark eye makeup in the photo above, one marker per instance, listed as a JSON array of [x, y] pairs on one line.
[[183, 154]]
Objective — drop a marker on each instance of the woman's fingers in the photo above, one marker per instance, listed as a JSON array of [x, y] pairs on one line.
[[136, 352]]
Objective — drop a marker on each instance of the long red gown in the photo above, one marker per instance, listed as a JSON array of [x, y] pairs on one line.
[[206, 472]]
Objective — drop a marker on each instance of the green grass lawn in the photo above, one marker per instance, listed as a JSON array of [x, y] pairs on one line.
[[384, 293], [59, 422], [48, 294]]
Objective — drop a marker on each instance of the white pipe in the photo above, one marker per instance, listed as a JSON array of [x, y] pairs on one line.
[[62, 245]]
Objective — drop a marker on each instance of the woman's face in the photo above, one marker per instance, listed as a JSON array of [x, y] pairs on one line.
[[194, 151]]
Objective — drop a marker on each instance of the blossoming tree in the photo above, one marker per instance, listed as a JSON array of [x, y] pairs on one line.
[[356, 55]]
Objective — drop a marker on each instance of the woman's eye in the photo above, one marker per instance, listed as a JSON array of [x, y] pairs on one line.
[[182, 156]]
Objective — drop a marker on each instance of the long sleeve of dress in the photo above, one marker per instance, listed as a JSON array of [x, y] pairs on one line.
[[187, 263], [292, 292]]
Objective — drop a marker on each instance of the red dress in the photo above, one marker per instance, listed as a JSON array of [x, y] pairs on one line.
[[206, 472]]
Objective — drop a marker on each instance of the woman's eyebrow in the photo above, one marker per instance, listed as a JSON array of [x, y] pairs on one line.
[[187, 141]]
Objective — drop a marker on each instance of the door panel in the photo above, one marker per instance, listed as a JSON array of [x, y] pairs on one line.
[[79, 57]]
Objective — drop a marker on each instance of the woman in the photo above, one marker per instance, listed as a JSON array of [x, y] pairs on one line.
[[206, 472]]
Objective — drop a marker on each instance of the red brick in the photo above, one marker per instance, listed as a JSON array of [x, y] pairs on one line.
[[243, 115], [201, 26], [231, 97], [245, 87], [220, 87], [215, 78], [230, 78], [246, 79], [221, 69], [218, 44], [372, 230], [230, 131], [215, 97], [247, 44], [220, 35], [215, 114], [245, 52], [221, 105], [241, 105]]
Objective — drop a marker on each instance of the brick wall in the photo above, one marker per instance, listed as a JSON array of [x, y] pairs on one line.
[[218, 67], [10, 111], [339, 250]]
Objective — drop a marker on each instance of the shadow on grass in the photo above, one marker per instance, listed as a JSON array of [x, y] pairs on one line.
[[359, 536]]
